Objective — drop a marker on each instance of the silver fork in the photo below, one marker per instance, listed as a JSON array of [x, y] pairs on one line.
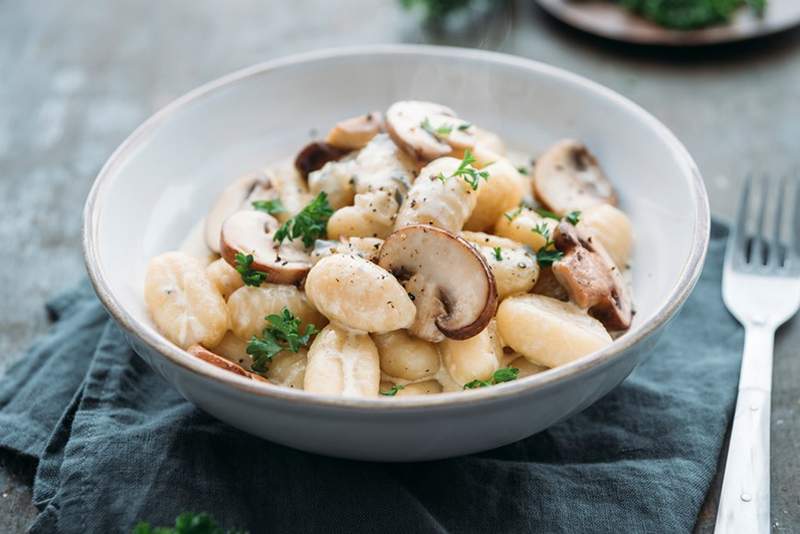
[[761, 288]]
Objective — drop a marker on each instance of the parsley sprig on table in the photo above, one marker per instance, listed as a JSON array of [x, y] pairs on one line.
[[505, 374], [187, 523], [392, 391], [250, 276], [281, 333], [690, 14], [466, 171], [309, 224], [272, 207]]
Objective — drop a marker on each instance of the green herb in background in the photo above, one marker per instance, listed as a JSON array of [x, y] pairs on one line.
[[270, 206], [282, 333], [506, 374], [435, 10], [250, 276], [187, 523], [310, 224], [690, 14]]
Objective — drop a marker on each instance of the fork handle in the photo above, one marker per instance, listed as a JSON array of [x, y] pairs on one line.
[[744, 501]]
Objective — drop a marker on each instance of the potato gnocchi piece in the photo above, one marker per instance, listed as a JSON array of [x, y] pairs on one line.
[[526, 368], [612, 228], [406, 357], [336, 178], [248, 307], [519, 225], [363, 247], [359, 295], [183, 302], [342, 363], [234, 349], [288, 368], [426, 387], [547, 331], [224, 277], [292, 189], [476, 358], [372, 215], [446, 204], [502, 192], [514, 269]]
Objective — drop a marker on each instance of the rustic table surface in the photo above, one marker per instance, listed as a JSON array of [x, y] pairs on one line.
[[76, 79]]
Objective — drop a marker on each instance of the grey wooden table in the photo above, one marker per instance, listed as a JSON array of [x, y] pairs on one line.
[[75, 79]]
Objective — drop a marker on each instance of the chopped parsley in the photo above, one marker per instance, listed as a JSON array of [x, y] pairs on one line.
[[270, 206], [250, 276], [522, 170], [511, 215], [574, 217], [505, 374], [465, 126], [547, 214], [282, 333], [391, 392], [441, 131], [187, 523], [498, 253], [309, 224], [547, 254], [471, 175]]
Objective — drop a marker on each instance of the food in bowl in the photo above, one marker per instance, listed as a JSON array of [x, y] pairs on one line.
[[407, 253]]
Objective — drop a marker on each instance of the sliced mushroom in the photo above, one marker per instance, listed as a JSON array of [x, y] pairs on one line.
[[427, 131], [251, 233], [591, 278], [355, 133], [567, 177], [218, 361], [316, 154], [451, 285], [256, 185]]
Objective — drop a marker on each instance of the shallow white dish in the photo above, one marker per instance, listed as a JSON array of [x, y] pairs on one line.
[[165, 176]]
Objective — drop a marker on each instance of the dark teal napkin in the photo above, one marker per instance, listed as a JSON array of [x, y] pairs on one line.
[[116, 444]]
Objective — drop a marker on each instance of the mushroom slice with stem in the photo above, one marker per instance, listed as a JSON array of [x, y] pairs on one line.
[[591, 278], [232, 199], [316, 154], [427, 131], [216, 360], [251, 233], [451, 285], [567, 177], [356, 132]]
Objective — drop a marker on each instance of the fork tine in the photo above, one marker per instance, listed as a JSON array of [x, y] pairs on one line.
[[776, 252], [758, 254], [737, 241], [794, 230]]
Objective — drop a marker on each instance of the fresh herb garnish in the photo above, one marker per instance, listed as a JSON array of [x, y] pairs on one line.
[[270, 206], [546, 213], [187, 523], [547, 253], [522, 170], [465, 126], [470, 174], [442, 131], [282, 333], [574, 217], [250, 276], [309, 224], [498, 253], [690, 14], [391, 392], [505, 374], [511, 215]]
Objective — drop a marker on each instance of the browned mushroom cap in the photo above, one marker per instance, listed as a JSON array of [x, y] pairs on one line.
[[590, 277], [567, 177], [232, 199], [315, 155], [251, 233], [451, 285], [427, 131], [218, 361], [355, 133]]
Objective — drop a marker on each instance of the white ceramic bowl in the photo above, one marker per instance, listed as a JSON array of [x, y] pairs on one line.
[[166, 174]]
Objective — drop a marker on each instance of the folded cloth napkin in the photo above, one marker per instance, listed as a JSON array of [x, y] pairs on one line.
[[116, 445]]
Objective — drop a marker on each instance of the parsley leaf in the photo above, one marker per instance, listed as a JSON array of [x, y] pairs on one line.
[[391, 392], [250, 276], [574, 217], [522, 170], [281, 333], [547, 254], [505, 374], [465, 126], [468, 172], [511, 215], [546, 213], [270, 206], [442, 131], [310, 224], [187, 523], [498, 253]]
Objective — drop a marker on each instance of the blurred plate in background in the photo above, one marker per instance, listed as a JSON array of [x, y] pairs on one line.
[[606, 19]]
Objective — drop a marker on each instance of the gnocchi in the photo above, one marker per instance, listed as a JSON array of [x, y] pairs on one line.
[[404, 253]]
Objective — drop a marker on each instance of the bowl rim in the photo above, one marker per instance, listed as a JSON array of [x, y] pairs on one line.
[[687, 279]]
